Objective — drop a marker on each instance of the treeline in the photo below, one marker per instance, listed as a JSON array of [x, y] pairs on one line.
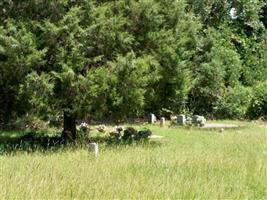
[[126, 58]]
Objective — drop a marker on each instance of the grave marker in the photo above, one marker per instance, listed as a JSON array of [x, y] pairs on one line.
[[152, 119], [93, 147], [162, 122], [181, 120]]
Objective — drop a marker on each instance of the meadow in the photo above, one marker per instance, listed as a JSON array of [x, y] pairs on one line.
[[186, 163]]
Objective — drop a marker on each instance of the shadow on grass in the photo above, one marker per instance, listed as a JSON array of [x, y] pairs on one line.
[[113, 142], [31, 142]]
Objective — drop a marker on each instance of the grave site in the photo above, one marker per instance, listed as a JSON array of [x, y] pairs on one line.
[[226, 159], [133, 99]]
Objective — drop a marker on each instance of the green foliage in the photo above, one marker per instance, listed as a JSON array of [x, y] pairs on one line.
[[132, 77], [19, 55], [144, 134], [39, 91], [130, 134], [123, 59], [235, 102], [118, 90], [258, 107], [219, 68], [255, 62], [210, 12]]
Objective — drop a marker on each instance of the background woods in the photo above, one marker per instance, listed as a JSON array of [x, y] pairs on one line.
[[121, 59]]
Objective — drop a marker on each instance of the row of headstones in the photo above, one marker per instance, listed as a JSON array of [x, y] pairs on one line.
[[181, 120]]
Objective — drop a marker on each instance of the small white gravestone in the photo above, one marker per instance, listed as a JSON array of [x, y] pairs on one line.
[[162, 122], [181, 120], [221, 130], [152, 119], [93, 147]]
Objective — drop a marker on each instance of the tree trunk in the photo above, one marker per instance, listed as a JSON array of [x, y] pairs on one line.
[[69, 132]]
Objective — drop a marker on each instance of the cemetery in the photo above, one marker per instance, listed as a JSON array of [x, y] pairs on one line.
[[139, 156], [133, 99]]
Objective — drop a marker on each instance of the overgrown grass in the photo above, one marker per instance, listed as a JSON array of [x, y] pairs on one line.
[[186, 163]]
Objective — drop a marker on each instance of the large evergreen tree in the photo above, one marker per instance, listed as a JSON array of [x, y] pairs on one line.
[[124, 59]]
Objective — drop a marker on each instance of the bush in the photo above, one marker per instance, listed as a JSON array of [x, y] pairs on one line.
[[143, 134], [258, 106], [131, 134], [235, 103]]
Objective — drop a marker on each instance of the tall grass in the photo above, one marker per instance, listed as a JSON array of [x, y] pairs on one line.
[[184, 164]]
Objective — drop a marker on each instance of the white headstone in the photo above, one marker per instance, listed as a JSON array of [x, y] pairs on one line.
[[152, 119], [93, 147], [162, 122], [181, 120], [221, 130]]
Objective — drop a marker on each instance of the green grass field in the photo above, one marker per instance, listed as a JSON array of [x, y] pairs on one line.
[[186, 163]]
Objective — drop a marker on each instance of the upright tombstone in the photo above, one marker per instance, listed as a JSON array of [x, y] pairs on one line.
[[162, 122], [181, 120], [152, 119], [93, 147]]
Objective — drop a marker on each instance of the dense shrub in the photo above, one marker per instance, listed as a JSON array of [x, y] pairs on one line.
[[131, 134], [258, 106], [235, 103], [143, 134]]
